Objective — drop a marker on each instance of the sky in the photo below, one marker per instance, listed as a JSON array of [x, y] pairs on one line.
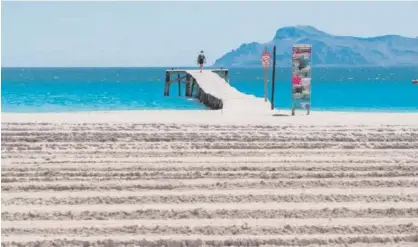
[[149, 34]]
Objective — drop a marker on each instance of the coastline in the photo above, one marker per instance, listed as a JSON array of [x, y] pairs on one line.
[[277, 117]]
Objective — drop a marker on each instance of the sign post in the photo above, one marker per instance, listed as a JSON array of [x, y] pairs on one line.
[[265, 61], [301, 77], [273, 79]]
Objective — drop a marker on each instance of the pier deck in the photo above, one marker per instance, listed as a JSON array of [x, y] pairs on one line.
[[211, 87]]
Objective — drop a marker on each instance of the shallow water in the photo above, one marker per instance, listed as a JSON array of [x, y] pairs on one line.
[[87, 89]]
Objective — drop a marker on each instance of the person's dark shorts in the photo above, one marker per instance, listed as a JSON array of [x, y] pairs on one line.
[[200, 61]]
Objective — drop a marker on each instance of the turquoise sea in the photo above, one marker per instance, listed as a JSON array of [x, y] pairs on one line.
[[99, 89]]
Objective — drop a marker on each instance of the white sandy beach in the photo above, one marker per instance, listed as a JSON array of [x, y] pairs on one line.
[[209, 178], [278, 117]]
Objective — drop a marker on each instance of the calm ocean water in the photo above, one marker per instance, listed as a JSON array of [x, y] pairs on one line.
[[86, 89]]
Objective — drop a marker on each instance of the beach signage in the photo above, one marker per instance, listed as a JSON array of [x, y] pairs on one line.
[[301, 77], [265, 58], [265, 61]]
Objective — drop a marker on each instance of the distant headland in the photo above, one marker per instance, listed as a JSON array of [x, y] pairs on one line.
[[328, 50]]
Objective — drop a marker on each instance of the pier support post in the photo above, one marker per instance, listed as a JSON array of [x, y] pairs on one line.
[[198, 92], [192, 84], [192, 87], [167, 84], [226, 76], [188, 86], [179, 82]]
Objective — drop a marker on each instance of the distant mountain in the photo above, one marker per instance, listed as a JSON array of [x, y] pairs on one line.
[[328, 50]]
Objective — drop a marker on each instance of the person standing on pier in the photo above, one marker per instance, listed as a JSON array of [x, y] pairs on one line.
[[201, 59]]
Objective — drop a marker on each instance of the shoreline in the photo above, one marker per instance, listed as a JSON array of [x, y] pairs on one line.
[[277, 117], [348, 110]]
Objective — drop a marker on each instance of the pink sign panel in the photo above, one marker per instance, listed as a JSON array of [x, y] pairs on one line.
[[301, 76]]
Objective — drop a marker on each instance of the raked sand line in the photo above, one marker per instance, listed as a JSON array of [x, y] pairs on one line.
[[206, 206], [322, 157], [237, 192], [129, 139], [289, 154], [245, 172], [225, 239], [283, 165], [147, 154], [128, 169], [237, 230], [254, 165], [246, 132], [198, 181], [209, 222], [190, 146], [261, 184], [103, 176], [305, 198], [329, 213]]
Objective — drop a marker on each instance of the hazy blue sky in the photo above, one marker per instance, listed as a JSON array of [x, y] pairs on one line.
[[172, 33]]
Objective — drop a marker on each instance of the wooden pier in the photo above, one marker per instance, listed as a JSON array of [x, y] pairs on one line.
[[212, 89]]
